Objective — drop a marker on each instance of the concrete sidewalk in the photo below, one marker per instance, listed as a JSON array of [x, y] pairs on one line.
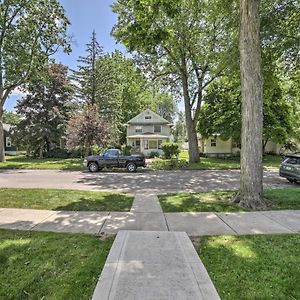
[[153, 258], [194, 224], [154, 265]]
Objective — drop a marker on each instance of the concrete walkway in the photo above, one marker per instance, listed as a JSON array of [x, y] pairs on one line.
[[194, 224], [154, 265]]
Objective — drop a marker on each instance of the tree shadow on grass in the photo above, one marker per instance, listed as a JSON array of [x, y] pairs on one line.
[[114, 202], [36, 265], [213, 202]]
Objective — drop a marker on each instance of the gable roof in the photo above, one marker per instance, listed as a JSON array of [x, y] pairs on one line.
[[155, 118]]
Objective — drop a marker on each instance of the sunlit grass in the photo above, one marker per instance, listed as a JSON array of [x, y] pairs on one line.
[[253, 267], [221, 201], [209, 163], [39, 265], [23, 162], [55, 199]]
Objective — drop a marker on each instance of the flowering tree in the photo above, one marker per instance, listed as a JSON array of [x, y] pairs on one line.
[[87, 129]]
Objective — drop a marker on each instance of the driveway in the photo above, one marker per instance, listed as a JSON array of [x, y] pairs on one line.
[[143, 181]]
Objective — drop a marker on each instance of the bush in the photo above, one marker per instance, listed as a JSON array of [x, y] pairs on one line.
[[154, 154], [76, 153], [97, 150], [57, 153], [171, 164], [126, 150], [170, 149]]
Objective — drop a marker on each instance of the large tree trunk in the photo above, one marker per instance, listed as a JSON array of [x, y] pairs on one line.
[[194, 155], [2, 150], [251, 182]]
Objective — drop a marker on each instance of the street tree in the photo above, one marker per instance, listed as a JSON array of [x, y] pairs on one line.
[[122, 92], [30, 32], [184, 43], [251, 180], [45, 110]]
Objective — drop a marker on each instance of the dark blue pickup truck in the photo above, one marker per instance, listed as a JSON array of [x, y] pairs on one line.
[[112, 159]]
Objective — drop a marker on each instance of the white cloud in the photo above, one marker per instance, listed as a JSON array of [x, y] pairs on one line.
[[18, 93]]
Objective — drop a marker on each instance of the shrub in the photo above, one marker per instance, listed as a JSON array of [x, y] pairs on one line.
[[154, 154], [57, 153], [170, 149], [126, 149], [171, 164], [97, 149], [76, 153]]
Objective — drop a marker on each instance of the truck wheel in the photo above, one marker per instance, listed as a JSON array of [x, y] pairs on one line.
[[93, 167], [131, 167], [291, 180]]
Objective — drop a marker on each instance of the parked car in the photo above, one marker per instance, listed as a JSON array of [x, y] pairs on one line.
[[290, 167], [112, 158]]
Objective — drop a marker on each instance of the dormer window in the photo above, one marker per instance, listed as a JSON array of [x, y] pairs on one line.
[[147, 117]]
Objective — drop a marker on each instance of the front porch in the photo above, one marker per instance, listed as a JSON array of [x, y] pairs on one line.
[[147, 144]]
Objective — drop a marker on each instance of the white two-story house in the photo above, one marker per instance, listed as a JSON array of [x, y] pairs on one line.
[[147, 131]]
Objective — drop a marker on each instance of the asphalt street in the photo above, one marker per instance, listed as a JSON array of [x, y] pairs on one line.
[[142, 181]]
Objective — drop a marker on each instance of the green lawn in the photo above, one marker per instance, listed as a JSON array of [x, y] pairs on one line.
[[209, 163], [220, 201], [75, 164], [40, 265], [253, 267], [53, 199], [23, 162]]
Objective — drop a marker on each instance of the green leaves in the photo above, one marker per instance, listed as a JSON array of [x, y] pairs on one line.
[[31, 31]]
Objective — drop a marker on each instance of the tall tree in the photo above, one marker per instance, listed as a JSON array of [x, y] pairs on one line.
[[86, 77], [45, 110], [184, 42], [30, 31], [251, 180], [122, 92]]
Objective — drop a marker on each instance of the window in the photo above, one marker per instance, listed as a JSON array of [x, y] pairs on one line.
[[159, 144], [138, 143], [153, 144], [8, 142], [147, 117], [138, 129], [213, 142], [291, 160], [112, 153], [157, 128]]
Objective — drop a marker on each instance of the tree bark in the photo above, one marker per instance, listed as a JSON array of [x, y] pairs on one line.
[[2, 150], [194, 155], [265, 142], [251, 181]]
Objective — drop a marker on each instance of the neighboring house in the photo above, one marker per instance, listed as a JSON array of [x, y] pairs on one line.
[[8, 146], [214, 146], [147, 132]]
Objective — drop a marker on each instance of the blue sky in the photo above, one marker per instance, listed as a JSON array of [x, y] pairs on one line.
[[85, 16]]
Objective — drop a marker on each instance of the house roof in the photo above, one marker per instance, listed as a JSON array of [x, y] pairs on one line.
[[6, 127], [141, 120]]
